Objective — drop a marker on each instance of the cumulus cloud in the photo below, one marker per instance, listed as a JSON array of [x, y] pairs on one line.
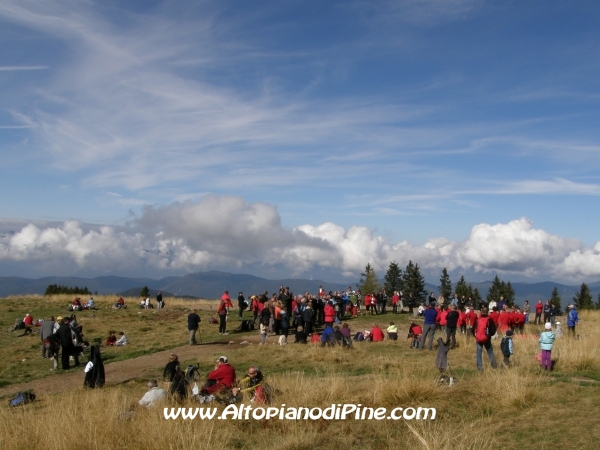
[[228, 233]]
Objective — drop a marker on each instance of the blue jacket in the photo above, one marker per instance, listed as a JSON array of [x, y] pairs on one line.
[[430, 315], [327, 334], [547, 340], [572, 317]]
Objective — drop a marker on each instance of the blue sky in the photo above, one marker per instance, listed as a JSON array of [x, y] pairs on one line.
[[300, 138]]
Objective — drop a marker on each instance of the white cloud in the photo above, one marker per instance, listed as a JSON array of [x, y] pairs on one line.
[[229, 234]]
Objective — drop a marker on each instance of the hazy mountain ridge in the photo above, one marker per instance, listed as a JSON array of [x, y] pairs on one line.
[[212, 284]]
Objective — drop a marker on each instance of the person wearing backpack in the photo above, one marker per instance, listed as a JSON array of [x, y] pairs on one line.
[[506, 346], [483, 329]]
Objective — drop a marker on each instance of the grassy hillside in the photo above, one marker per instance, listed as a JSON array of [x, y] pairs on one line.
[[519, 407]]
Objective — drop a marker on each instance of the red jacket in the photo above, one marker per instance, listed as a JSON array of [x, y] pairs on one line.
[[395, 299], [470, 318], [462, 318], [494, 316], [443, 315], [224, 374], [504, 321], [377, 334], [329, 313], [539, 307]]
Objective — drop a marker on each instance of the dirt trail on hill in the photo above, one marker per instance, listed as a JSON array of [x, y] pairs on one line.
[[121, 371]]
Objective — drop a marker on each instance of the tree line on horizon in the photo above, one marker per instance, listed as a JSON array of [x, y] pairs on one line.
[[410, 280]]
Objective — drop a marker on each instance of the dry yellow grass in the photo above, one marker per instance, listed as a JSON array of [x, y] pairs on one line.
[[519, 407]]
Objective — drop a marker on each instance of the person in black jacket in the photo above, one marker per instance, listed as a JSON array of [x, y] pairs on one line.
[[64, 335], [241, 303], [171, 368], [451, 325], [94, 370], [193, 325]]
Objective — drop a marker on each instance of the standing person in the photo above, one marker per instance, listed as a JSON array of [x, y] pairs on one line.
[[452, 325], [431, 299], [64, 335], [484, 328], [395, 301], [308, 317], [241, 303], [526, 311], [553, 311], [45, 333], [159, 300], [222, 313], [546, 342], [193, 325], [506, 346], [572, 320], [539, 307], [411, 303], [430, 314], [547, 309]]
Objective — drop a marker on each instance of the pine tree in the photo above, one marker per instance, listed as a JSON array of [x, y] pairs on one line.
[[494, 290], [555, 299], [501, 289], [462, 288], [509, 294], [414, 282], [476, 297], [368, 283], [583, 298], [445, 284], [393, 279], [145, 292]]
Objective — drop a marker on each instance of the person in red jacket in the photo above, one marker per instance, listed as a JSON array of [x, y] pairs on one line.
[[504, 322], [483, 329], [495, 315], [223, 377], [329, 313], [539, 307], [395, 302], [376, 333], [462, 321]]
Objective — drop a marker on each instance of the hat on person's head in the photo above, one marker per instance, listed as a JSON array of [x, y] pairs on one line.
[[222, 359], [548, 326], [557, 323], [509, 333], [571, 306], [173, 357]]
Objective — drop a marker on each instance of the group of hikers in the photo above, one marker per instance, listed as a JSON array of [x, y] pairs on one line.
[[220, 385]]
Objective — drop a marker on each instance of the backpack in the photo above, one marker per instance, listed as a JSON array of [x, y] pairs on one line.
[[504, 347], [359, 337], [21, 398], [191, 373], [485, 329], [282, 340]]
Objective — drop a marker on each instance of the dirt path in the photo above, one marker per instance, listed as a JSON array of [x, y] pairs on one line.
[[121, 371]]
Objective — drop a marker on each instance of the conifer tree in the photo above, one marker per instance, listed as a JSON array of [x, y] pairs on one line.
[[368, 283], [555, 299], [583, 298], [463, 289], [414, 282], [445, 284], [393, 279]]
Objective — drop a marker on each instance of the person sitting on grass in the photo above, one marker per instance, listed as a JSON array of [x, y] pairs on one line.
[[251, 387], [327, 338], [122, 339], [120, 303], [376, 333], [171, 368], [111, 339], [222, 378], [300, 336], [154, 395], [414, 333], [392, 332]]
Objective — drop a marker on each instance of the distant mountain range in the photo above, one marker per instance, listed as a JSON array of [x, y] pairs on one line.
[[212, 284]]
